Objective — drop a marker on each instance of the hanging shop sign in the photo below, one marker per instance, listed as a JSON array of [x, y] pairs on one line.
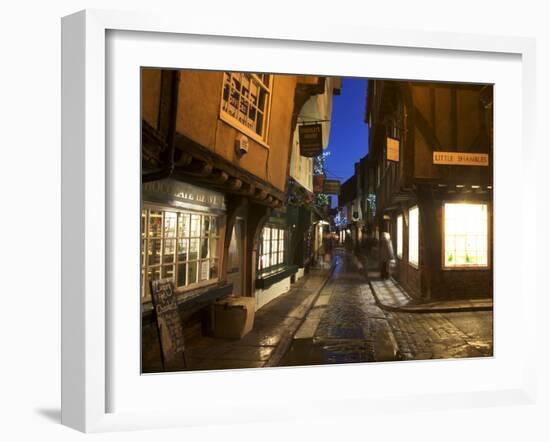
[[392, 149], [168, 320], [184, 195], [318, 182], [331, 187], [461, 158], [311, 139]]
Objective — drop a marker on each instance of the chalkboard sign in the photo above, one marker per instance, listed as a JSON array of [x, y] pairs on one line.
[[168, 319], [311, 140]]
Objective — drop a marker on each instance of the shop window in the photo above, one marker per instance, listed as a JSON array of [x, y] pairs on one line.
[[399, 229], [182, 246], [465, 235], [245, 102], [272, 249], [413, 236]]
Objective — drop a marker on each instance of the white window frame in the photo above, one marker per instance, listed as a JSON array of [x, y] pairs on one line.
[[399, 236], [145, 240], [487, 239], [234, 122], [414, 262], [279, 250]]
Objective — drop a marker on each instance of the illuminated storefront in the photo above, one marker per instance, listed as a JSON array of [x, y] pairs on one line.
[[434, 184], [466, 237], [180, 235]]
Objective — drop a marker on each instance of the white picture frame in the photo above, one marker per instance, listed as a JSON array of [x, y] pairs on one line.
[[89, 228]]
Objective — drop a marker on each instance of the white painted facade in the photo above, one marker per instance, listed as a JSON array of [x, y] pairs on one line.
[[317, 108], [263, 296]]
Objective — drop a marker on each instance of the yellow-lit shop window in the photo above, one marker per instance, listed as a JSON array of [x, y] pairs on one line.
[[179, 245], [413, 236], [466, 235], [400, 236]]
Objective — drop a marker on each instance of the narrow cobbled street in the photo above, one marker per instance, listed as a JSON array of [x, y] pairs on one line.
[[346, 325]]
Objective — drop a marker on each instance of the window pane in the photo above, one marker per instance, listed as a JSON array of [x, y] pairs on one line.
[[153, 274], [260, 123], [183, 225], [214, 226], [143, 222], [170, 221], [153, 251], [169, 251], [399, 236], [183, 244], [142, 253], [193, 249], [204, 248], [205, 226], [192, 272], [262, 100], [413, 235], [204, 270], [182, 268], [155, 223], [195, 225], [168, 271]]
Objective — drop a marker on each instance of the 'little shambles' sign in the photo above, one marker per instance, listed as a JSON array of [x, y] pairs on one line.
[[311, 140], [461, 158], [168, 319]]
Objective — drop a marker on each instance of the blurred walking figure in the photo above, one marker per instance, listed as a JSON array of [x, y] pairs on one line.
[[385, 250], [327, 246]]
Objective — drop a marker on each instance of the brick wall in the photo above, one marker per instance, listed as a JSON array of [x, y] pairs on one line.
[[457, 284], [408, 277]]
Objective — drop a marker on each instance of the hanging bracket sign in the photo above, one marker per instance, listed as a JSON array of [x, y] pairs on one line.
[[311, 140], [318, 183], [392, 149], [331, 187]]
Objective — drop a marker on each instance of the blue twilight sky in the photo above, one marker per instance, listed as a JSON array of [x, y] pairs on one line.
[[349, 134]]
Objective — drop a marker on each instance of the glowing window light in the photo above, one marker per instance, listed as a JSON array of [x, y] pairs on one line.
[[413, 236], [272, 248], [400, 236], [466, 235]]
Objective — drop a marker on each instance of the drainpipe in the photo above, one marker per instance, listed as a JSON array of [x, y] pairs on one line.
[[170, 165]]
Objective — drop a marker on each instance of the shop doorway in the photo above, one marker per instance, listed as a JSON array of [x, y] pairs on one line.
[[235, 263]]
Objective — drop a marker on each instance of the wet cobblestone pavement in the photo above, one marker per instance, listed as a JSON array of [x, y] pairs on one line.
[[274, 323], [345, 325]]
